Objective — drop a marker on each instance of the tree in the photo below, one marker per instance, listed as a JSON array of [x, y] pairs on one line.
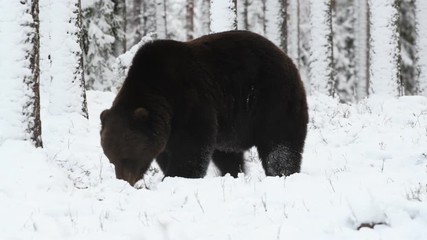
[[161, 23], [362, 48], [344, 49], [407, 45], [119, 26], [421, 45], [223, 14], [20, 109], [385, 48], [100, 43], [134, 22], [189, 19], [275, 21], [321, 50], [293, 31], [67, 89], [203, 16], [149, 19]]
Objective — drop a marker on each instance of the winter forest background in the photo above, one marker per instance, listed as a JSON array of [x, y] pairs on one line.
[[346, 49]]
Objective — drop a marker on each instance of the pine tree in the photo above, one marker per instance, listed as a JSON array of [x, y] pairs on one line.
[[104, 40], [19, 98], [223, 14], [385, 48], [321, 50]]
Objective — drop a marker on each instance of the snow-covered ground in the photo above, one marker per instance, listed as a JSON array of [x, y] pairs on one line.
[[364, 176]]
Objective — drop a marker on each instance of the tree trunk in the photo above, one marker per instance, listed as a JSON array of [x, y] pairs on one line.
[[32, 108], [223, 15], [190, 19], [149, 17], [20, 72], [408, 36], [421, 18], [275, 22], [119, 31], [362, 50], [293, 30], [321, 50], [161, 24], [67, 90], [385, 48]]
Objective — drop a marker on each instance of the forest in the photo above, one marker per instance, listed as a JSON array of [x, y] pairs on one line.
[[346, 49], [363, 175]]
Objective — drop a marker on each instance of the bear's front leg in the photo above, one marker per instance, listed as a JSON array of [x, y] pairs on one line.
[[189, 161], [191, 143]]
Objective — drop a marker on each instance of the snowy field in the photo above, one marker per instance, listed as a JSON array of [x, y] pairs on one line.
[[364, 176]]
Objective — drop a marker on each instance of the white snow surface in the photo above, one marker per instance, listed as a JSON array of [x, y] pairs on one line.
[[363, 164]]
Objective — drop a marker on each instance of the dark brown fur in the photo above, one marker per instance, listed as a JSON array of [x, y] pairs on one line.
[[185, 103]]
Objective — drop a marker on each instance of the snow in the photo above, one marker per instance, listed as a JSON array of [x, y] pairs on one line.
[[363, 164], [364, 171]]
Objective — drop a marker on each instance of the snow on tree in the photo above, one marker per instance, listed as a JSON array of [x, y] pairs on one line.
[[124, 61], [161, 23], [223, 14], [385, 48], [362, 50], [119, 26], [275, 21], [149, 16], [321, 51], [202, 23], [134, 22], [103, 42], [19, 98], [243, 15], [293, 31], [67, 88], [421, 45], [344, 49]]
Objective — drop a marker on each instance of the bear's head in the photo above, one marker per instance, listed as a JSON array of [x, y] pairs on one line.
[[131, 140]]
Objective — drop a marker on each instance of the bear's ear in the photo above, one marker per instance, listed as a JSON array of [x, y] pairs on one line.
[[103, 115], [140, 114]]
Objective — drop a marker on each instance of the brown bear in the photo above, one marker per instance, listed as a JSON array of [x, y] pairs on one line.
[[185, 103]]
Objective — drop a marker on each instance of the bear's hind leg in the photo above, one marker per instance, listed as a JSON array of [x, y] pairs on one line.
[[228, 162], [280, 159]]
